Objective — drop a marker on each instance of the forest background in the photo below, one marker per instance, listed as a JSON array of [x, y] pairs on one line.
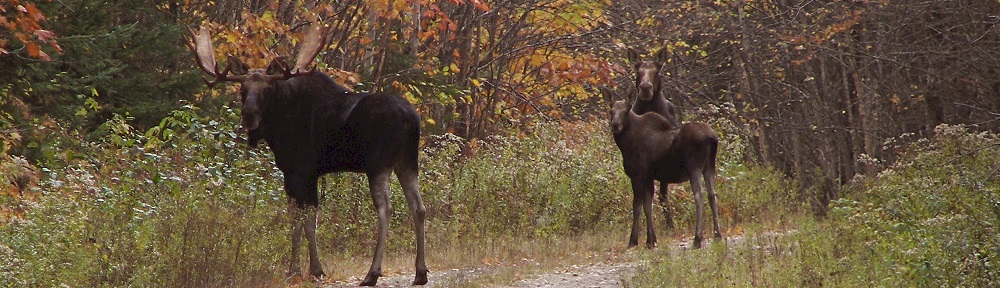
[[823, 94]]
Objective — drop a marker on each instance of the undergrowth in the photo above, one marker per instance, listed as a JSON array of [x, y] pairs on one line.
[[185, 204], [928, 220]]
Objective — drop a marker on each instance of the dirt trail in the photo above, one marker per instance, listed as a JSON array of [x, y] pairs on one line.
[[605, 271], [612, 270], [601, 274]]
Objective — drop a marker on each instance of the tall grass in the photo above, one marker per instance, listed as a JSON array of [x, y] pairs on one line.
[[929, 220], [184, 204], [127, 209]]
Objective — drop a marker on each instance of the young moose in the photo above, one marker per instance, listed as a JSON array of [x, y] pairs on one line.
[[315, 126], [653, 149]]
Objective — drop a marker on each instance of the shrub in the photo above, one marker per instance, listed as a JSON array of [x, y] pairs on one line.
[[931, 218], [928, 220], [184, 205], [122, 210]]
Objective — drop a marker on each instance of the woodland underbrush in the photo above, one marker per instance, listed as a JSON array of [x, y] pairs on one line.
[[186, 204], [928, 220]]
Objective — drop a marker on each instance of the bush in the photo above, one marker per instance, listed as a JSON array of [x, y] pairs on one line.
[[929, 220], [185, 205], [132, 210]]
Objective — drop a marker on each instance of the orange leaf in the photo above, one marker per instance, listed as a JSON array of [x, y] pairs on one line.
[[481, 6], [33, 50], [56, 46], [35, 13]]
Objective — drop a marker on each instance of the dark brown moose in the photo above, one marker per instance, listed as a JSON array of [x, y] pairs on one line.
[[649, 97], [653, 149], [649, 86], [315, 126]]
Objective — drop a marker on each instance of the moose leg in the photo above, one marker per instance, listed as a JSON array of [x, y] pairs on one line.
[[637, 197], [379, 185], [306, 203], [699, 208], [315, 268], [647, 208], [642, 200], [295, 217], [710, 186], [668, 214], [411, 189]]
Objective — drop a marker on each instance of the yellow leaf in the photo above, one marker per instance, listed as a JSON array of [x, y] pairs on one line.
[[454, 67]]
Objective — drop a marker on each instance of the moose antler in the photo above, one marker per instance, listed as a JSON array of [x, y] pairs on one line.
[[309, 48], [201, 45]]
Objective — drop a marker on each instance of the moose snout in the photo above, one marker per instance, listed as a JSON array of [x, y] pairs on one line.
[[645, 91], [249, 118], [249, 122], [250, 113]]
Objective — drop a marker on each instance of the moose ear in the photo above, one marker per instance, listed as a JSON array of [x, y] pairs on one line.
[[633, 56], [662, 56], [278, 66], [630, 95], [236, 66], [609, 96]]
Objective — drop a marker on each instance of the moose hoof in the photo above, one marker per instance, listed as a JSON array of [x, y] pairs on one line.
[[633, 241], [370, 280], [317, 275], [651, 245], [421, 278], [697, 242]]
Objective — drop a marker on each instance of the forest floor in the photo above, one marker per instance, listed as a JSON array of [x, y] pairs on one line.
[[612, 271], [608, 265]]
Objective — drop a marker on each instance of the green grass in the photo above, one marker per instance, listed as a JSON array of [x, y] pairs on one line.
[[184, 205], [929, 220]]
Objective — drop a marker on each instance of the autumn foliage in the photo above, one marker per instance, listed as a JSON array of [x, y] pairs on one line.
[[23, 21], [109, 132], [471, 67]]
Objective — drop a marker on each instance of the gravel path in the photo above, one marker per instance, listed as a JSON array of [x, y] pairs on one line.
[[601, 272], [605, 274], [595, 275]]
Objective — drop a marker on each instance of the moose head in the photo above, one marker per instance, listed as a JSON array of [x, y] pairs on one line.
[[256, 84], [647, 72], [620, 106]]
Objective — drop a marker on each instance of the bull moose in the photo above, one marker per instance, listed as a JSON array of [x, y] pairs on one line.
[[315, 126]]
